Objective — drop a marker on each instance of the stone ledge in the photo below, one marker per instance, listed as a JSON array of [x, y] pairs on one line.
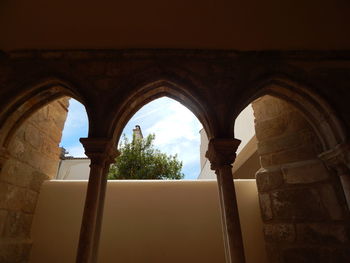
[[305, 172], [269, 179]]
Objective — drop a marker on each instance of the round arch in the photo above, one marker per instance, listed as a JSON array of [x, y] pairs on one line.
[[316, 110], [29, 101], [152, 91]]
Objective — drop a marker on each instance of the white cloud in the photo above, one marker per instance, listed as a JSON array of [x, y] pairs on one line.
[[145, 114], [177, 122], [176, 129], [76, 150]]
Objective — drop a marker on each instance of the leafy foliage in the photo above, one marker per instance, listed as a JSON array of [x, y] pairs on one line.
[[140, 160]]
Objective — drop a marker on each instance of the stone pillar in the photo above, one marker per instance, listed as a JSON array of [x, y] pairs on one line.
[[221, 154], [302, 204], [31, 157], [339, 160], [102, 153]]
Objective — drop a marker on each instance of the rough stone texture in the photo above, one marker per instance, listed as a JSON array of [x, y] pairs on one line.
[[34, 157], [299, 153], [3, 215], [265, 205], [15, 251], [340, 255], [280, 232], [215, 85], [269, 179], [17, 225], [303, 214], [304, 255], [323, 233], [305, 172], [273, 252], [331, 202], [297, 204]]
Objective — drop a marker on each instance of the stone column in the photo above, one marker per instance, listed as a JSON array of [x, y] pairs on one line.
[[102, 153], [304, 213], [339, 160], [221, 154], [101, 202]]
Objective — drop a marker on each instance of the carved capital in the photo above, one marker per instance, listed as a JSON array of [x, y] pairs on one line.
[[101, 151], [222, 151], [338, 158]]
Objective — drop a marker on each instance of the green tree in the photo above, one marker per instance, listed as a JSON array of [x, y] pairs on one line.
[[140, 160]]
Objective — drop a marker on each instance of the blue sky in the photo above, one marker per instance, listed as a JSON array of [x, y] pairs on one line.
[[175, 127]]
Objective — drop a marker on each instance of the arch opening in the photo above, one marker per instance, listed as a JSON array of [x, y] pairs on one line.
[[320, 115], [153, 91], [32, 99], [176, 131], [31, 131], [295, 187]]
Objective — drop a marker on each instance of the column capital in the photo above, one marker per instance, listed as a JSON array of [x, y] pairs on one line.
[[101, 151], [222, 151], [338, 158]]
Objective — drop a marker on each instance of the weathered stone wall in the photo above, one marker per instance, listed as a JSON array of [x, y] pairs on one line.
[[34, 157], [302, 203]]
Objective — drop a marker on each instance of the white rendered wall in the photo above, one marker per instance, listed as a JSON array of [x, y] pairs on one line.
[[206, 172], [245, 126], [244, 130], [74, 169], [145, 222]]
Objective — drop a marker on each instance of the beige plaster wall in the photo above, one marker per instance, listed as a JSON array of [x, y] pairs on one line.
[[145, 221], [247, 162], [34, 156]]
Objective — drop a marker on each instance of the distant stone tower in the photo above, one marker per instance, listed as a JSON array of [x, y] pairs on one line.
[[137, 133]]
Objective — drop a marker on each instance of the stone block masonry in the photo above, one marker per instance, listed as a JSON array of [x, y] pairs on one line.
[[302, 207], [33, 157]]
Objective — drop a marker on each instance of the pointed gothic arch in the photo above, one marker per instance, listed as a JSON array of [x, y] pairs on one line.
[[321, 116], [28, 102], [152, 91]]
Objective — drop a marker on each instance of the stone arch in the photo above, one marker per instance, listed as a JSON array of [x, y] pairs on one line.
[[30, 132], [155, 90], [28, 102], [294, 183], [323, 119]]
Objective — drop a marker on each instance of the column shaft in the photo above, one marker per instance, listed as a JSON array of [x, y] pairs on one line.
[[221, 154], [86, 247], [101, 201], [233, 242]]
